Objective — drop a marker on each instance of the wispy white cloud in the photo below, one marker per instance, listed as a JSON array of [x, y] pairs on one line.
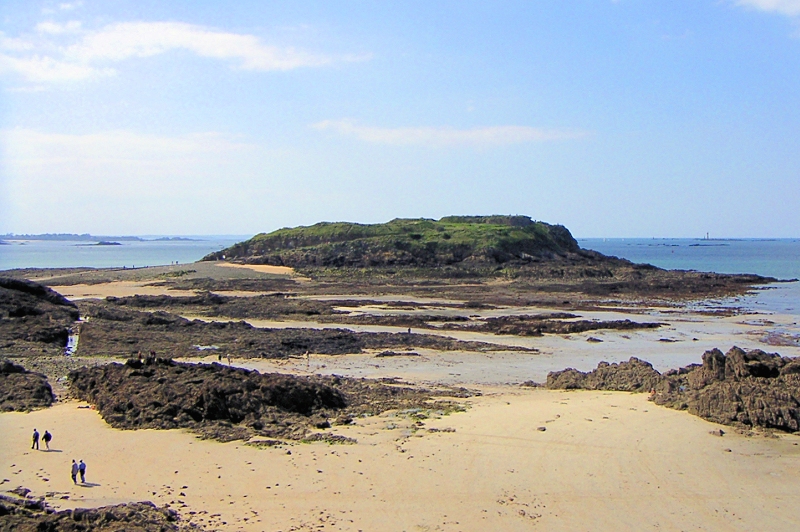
[[145, 39], [69, 6], [90, 53], [784, 7], [54, 28], [43, 69], [448, 136]]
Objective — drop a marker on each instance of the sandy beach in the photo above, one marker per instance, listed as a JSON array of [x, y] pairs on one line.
[[606, 461], [518, 458]]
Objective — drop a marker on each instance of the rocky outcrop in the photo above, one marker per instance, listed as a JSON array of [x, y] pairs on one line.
[[33, 317], [159, 393], [749, 388], [742, 388], [21, 390], [33, 515], [632, 376], [537, 326], [227, 403]]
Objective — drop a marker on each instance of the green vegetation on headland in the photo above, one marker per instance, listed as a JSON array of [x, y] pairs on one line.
[[463, 240], [459, 249]]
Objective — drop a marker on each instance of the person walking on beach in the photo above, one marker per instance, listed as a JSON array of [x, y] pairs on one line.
[[46, 438], [82, 471], [74, 472], [35, 444]]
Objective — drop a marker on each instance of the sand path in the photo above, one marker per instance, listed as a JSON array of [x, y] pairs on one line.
[[117, 289], [607, 461]]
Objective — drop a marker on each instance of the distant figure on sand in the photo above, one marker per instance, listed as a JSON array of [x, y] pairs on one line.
[[35, 444], [82, 470], [74, 472], [46, 438]]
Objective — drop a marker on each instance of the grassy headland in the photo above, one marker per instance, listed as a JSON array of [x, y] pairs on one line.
[[406, 242]]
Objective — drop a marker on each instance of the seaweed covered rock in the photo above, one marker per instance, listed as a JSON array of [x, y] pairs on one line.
[[22, 390], [749, 388], [28, 515], [228, 403], [632, 376], [116, 330], [33, 317], [223, 402]]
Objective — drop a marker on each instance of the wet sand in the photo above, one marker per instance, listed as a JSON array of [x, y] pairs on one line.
[[680, 343], [117, 289], [606, 461], [261, 268]]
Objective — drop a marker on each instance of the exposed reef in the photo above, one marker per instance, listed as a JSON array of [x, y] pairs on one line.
[[228, 403], [22, 390], [741, 388], [33, 318], [282, 307], [123, 332], [34, 515]]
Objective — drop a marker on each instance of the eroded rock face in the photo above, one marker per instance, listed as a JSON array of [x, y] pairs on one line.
[[751, 388], [22, 390], [227, 403], [28, 515], [33, 317], [746, 388], [160, 393], [632, 376]]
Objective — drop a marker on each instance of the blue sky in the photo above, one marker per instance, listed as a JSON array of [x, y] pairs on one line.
[[615, 118]]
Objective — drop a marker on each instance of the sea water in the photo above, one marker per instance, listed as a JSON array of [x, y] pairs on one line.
[[129, 253], [778, 258]]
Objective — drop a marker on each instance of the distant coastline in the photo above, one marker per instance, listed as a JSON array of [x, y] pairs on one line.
[[86, 237]]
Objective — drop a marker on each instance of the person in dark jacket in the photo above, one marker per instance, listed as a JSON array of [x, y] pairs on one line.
[[82, 471], [35, 444], [74, 472], [46, 439]]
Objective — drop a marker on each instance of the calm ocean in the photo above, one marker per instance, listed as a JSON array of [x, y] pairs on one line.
[[148, 252], [779, 258]]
